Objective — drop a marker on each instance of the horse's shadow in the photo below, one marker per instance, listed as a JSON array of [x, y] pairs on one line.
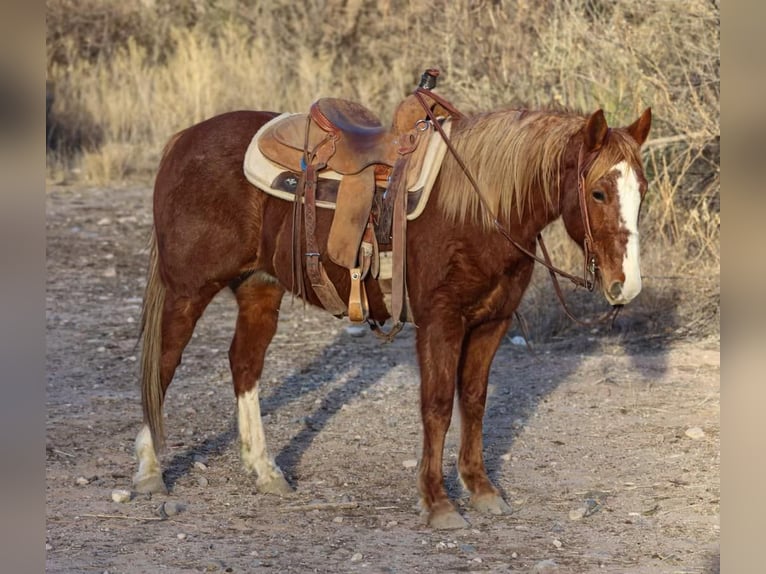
[[362, 374], [514, 396]]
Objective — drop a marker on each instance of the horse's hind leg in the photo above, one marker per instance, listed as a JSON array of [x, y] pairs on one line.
[[168, 326], [259, 298], [480, 347]]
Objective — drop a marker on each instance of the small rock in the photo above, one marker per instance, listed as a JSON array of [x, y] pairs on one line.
[[203, 481], [109, 272], [440, 545], [82, 481], [181, 536], [506, 457], [467, 548], [391, 523], [477, 560], [338, 519], [356, 330], [170, 508], [518, 340], [215, 565], [695, 433], [557, 543], [104, 221], [357, 557], [451, 545], [410, 463], [578, 513], [200, 465], [48, 547], [592, 506], [545, 567], [514, 554], [122, 496]]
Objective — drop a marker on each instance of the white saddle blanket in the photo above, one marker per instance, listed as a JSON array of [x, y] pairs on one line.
[[261, 172]]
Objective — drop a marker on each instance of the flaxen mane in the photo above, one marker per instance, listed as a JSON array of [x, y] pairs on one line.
[[513, 154]]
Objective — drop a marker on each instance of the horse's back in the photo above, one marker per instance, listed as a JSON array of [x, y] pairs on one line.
[[206, 152], [207, 216]]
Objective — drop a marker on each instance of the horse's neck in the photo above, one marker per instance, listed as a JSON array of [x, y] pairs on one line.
[[537, 213]]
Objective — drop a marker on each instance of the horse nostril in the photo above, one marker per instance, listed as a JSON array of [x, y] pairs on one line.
[[615, 289]]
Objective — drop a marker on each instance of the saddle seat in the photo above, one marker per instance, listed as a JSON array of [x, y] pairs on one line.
[[359, 137], [344, 136]]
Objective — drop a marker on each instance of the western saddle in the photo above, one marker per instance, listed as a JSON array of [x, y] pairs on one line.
[[345, 137]]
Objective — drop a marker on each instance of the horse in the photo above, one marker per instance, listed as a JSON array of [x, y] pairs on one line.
[[213, 230]]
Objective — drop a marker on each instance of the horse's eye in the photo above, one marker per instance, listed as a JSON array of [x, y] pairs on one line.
[[599, 196]]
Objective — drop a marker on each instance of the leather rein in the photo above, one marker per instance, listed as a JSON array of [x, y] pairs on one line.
[[590, 266]]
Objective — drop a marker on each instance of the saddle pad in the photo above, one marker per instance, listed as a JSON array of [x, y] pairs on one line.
[[262, 172], [431, 165]]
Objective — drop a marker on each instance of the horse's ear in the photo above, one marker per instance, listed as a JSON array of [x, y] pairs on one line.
[[639, 129], [595, 131]]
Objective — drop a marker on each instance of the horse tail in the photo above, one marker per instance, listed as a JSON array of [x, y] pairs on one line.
[[152, 393]]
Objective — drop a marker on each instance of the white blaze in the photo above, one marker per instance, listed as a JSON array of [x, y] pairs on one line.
[[630, 200]]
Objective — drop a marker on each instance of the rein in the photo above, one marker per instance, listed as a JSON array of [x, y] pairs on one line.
[[583, 163]]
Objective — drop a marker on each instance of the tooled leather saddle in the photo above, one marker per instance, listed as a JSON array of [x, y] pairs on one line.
[[345, 159]]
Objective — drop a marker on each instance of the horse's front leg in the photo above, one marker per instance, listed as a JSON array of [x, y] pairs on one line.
[[478, 351], [438, 354]]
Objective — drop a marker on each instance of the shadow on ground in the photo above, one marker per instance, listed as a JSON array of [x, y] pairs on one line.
[[515, 395]]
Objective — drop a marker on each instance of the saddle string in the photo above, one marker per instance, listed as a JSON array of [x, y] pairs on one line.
[[588, 279]]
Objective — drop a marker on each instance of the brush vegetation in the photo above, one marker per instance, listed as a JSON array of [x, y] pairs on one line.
[[126, 76]]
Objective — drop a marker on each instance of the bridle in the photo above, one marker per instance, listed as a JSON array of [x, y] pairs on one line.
[[584, 162]]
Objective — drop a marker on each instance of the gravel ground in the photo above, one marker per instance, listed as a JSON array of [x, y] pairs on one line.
[[607, 447]]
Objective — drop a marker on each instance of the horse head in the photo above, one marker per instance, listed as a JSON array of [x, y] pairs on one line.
[[601, 211]]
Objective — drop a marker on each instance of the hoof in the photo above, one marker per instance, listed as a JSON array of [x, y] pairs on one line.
[[149, 484], [491, 504], [447, 520], [274, 485]]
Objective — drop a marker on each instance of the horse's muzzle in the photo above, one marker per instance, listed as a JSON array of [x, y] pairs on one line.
[[618, 294]]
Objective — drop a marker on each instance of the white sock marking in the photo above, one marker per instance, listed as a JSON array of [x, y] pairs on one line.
[[148, 465], [253, 440]]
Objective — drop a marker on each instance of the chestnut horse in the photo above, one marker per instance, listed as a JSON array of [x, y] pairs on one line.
[[213, 229]]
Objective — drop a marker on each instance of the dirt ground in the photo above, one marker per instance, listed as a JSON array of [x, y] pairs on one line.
[[624, 430]]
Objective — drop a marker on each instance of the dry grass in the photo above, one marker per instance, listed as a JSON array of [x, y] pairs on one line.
[[128, 75]]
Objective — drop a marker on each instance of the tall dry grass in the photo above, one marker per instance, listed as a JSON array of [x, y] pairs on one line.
[[128, 75]]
